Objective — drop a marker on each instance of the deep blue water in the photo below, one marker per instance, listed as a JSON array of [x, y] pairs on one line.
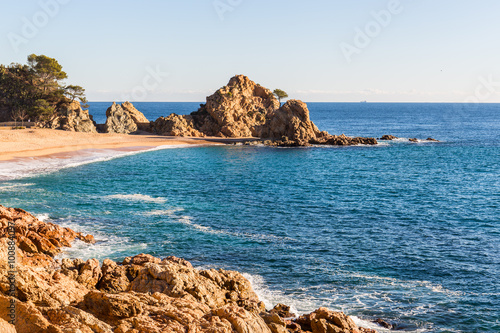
[[405, 232]]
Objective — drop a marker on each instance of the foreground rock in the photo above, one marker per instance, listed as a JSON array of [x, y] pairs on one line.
[[140, 294], [71, 117]]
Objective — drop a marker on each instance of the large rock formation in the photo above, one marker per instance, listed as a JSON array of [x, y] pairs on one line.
[[124, 119], [244, 109], [236, 110], [292, 122], [71, 117], [140, 294]]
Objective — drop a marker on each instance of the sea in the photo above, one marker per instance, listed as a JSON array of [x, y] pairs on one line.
[[406, 232]]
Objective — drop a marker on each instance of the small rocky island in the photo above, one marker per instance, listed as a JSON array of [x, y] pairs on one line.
[[241, 109], [141, 294]]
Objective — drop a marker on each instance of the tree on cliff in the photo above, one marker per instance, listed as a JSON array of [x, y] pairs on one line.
[[280, 94], [74, 92], [47, 71], [36, 88]]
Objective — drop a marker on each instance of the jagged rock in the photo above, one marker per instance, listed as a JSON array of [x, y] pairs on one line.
[[431, 139], [383, 323], [413, 140], [211, 287], [28, 317], [71, 117], [72, 319], [291, 121], [47, 238], [125, 119], [238, 109], [325, 321], [388, 137], [119, 121], [242, 320], [175, 125], [115, 278], [89, 273], [112, 307], [282, 310], [137, 116], [141, 294]]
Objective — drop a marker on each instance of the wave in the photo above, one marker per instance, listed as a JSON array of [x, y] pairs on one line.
[[42, 217], [31, 166], [166, 212], [14, 186], [270, 297], [136, 197], [188, 220], [106, 246]]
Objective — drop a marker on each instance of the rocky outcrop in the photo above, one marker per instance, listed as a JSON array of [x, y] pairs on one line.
[[238, 109], [119, 120], [175, 125], [388, 137], [246, 109], [292, 122], [136, 115], [290, 125], [140, 294], [71, 117]]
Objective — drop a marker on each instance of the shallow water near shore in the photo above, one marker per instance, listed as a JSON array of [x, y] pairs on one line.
[[405, 232]]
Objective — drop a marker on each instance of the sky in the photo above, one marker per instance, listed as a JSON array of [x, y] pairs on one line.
[[317, 51]]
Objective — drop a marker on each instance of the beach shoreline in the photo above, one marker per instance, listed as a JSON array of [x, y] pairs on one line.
[[40, 143]]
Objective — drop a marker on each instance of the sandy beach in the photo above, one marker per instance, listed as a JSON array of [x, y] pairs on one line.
[[43, 142]]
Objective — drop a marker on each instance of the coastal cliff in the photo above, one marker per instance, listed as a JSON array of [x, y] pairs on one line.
[[139, 294]]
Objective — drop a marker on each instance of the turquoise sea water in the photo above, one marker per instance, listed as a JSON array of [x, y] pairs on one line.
[[405, 232]]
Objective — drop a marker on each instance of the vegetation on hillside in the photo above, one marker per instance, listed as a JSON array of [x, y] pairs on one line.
[[36, 90]]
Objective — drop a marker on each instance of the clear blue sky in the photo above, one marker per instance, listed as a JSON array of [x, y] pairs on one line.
[[426, 51]]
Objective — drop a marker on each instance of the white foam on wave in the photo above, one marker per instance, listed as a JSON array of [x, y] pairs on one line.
[[165, 212], [409, 284], [30, 166], [270, 297], [42, 217], [106, 245], [136, 197], [188, 220]]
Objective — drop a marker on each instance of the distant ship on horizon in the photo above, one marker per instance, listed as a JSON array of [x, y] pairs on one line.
[[363, 102]]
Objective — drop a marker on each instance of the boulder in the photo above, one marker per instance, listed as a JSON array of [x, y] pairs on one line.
[[118, 120], [137, 116], [326, 321], [292, 122], [175, 125], [388, 137], [71, 117]]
